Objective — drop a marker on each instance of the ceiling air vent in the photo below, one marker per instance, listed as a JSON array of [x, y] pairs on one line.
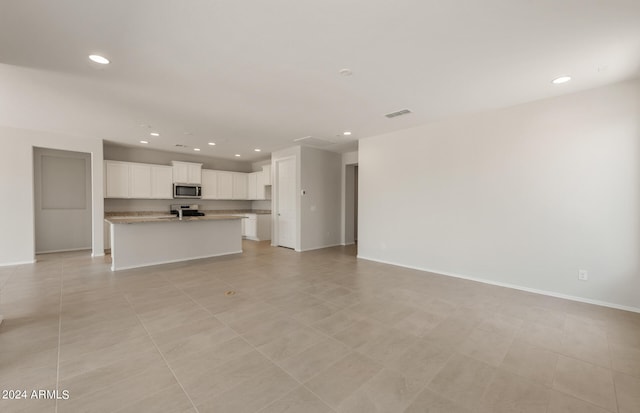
[[398, 113]]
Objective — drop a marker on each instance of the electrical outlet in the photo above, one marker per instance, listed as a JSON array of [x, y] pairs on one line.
[[583, 275]]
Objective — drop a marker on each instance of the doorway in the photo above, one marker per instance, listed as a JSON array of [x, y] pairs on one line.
[[351, 205], [62, 200], [286, 212]]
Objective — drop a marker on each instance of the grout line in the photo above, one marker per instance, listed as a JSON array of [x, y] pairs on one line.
[[264, 355], [161, 355], [615, 388]]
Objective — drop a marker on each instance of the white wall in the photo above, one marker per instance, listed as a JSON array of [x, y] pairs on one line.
[[320, 207], [17, 240], [523, 196]]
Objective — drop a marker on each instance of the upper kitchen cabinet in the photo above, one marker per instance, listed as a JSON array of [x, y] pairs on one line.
[[240, 185], [138, 180], [225, 185], [161, 182], [256, 187], [209, 184], [257, 183], [116, 179], [252, 185], [266, 173], [187, 172]]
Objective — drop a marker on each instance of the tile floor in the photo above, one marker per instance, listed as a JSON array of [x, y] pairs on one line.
[[314, 332]]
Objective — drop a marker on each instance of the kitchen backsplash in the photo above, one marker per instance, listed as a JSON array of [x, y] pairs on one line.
[[135, 205], [261, 205]]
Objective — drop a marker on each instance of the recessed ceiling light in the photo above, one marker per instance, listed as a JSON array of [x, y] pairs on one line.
[[237, 154], [144, 141], [561, 79], [257, 150], [99, 59], [346, 133], [196, 149], [154, 134], [212, 143]]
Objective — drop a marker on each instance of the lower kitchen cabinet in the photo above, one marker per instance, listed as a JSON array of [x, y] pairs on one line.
[[257, 227]]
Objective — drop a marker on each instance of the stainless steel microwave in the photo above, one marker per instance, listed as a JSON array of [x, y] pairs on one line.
[[187, 191]]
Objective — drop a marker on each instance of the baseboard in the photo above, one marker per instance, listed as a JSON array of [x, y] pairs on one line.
[[65, 250], [11, 264], [319, 248], [512, 286]]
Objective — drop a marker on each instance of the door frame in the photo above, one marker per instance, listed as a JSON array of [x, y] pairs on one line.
[[350, 204], [37, 165], [275, 235]]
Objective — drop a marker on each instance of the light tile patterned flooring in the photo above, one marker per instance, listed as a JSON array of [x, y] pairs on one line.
[[305, 332]]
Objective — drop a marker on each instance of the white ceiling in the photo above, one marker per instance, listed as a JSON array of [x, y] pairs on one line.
[[249, 74]]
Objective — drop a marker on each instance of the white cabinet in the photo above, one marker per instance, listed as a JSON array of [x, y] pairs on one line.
[[257, 227], [266, 170], [209, 184], [187, 172], [240, 185], [137, 180], [263, 230], [161, 182], [257, 182], [225, 185], [251, 226], [260, 187], [116, 179], [252, 185]]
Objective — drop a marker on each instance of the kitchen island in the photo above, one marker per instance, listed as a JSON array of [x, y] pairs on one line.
[[142, 241]]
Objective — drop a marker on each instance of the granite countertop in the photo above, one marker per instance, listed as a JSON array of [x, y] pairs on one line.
[[146, 214], [165, 218]]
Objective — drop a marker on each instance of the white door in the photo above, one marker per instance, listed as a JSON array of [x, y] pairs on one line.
[[286, 202]]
